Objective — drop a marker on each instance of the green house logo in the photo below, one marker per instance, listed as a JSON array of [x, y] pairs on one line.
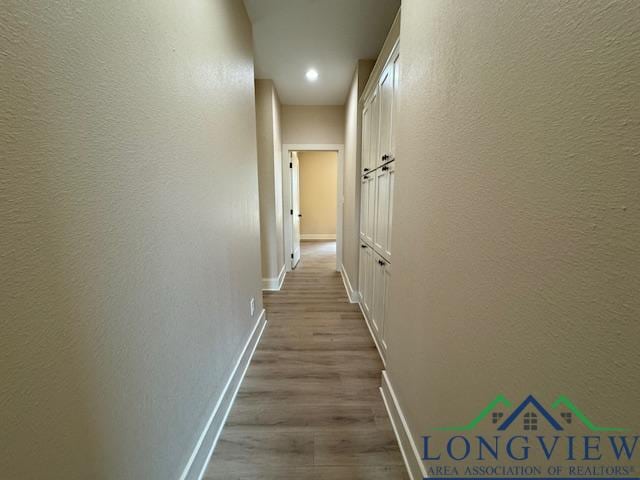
[[531, 412]]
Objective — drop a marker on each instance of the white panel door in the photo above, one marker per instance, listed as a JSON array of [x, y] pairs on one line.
[[364, 205], [395, 101], [295, 210], [362, 258], [368, 295], [374, 131], [377, 315], [384, 307], [390, 194], [366, 138], [365, 278], [381, 222], [386, 105], [368, 187]]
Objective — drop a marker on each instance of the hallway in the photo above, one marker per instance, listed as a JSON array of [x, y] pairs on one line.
[[310, 406], [467, 171]]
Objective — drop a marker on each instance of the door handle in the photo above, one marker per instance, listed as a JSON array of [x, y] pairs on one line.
[[363, 246], [385, 168], [381, 263], [366, 169], [299, 215]]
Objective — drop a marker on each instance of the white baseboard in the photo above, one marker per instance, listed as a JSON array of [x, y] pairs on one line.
[[410, 453], [274, 284], [351, 293], [197, 464], [318, 236]]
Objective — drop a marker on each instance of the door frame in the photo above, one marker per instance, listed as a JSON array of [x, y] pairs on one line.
[[286, 195]]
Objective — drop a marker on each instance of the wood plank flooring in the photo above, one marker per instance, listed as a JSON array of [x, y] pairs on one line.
[[309, 406]]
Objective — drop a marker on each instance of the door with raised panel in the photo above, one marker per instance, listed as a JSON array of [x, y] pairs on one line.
[[386, 104], [377, 314], [395, 101], [390, 189], [381, 221], [369, 190], [364, 205], [374, 130], [361, 272], [384, 307], [365, 278], [366, 138]]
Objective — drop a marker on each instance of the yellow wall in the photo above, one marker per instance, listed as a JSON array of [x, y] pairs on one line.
[[318, 192]]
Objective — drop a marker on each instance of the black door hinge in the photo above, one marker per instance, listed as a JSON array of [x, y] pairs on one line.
[[292, 256], [290, 164], [291, 212]]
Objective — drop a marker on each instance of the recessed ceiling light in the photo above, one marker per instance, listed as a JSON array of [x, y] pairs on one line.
[[312, 75]]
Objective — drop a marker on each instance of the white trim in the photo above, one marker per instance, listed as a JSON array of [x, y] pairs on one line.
[[195, 469], [318, 236], [274, 284], [413, 462], [286, 194], [373, 335], [353, 295], [339, 207]]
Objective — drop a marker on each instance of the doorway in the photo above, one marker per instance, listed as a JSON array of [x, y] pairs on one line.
[[313, 198], [296, 213]]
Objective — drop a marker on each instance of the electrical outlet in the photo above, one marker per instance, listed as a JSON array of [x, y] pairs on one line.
[[252, 305]]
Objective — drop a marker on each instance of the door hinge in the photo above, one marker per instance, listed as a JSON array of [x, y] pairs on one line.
[[291, 212], [290, 164], [292, 256]]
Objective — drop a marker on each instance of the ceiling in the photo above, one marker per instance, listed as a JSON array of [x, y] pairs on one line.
[[291, 36]]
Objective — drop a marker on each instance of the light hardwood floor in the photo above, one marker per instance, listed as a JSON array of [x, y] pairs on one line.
[[309, 406]]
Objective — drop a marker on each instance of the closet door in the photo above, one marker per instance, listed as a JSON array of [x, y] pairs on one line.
[[371, 200], [395, 59], [381, 221], [362, 281], [366, 138], [386, 105], [384, 307], [391, 179], [380, 291], [364, 206], [374, 131], [366, 278]]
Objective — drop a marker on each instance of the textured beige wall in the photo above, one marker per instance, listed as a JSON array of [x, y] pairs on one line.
[[277, 179], [351, 175], [269, 178], [516, 234], [129, 245], [318, 192], [312, 124]]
